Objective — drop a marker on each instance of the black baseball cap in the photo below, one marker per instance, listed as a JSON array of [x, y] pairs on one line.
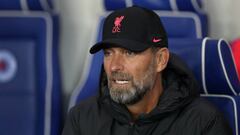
[[134, 28]]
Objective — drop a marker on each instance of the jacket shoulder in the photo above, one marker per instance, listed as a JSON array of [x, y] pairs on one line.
[[206, 117], [89, 103], [201, 109], [85, 115], [86, 109]]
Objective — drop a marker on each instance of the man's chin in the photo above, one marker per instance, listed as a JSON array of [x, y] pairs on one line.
[[126, 98]]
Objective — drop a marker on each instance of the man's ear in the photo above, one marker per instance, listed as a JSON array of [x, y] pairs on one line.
[[162, 57]]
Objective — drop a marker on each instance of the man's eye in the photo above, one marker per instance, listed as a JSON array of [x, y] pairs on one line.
[[130, 53], [106, 53]]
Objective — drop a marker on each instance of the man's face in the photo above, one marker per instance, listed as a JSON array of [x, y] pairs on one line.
[[130, 75]]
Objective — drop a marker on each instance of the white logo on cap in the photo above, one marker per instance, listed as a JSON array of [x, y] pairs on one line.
[[8, 66]]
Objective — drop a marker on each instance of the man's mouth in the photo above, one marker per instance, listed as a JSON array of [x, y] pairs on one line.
[[120, 78], [121, 81]]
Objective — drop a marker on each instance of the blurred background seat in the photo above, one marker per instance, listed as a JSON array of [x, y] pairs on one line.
[[173, 5], [213, 65], [37, 5], [30, 89]]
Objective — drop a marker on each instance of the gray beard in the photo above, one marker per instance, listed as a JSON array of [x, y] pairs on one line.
[[139, 88], [128, 97]]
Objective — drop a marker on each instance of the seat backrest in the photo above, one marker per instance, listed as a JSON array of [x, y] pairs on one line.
[[182, 24], [17, 85], [29, 74], [212, 63], [172, 5], [40, 5]]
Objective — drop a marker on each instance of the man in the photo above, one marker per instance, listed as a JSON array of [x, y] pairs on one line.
[[149, 91]]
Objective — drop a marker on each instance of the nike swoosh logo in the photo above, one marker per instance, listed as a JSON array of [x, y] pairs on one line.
[[156, 40]]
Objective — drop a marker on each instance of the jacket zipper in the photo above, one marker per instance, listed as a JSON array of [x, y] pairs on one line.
[[131, 128]]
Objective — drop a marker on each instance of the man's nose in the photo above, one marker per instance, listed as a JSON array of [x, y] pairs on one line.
[[117, 63]]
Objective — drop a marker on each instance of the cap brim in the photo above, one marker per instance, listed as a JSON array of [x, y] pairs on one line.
[[131, 45]]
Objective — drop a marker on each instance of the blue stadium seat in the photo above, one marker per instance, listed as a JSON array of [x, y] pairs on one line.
[[212, 63], [182, 24], [115, 4], [190, 5], [172, 5], [30, 99], [42, 5]]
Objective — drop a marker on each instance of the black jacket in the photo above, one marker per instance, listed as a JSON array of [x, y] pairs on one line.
[[180, 111]]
